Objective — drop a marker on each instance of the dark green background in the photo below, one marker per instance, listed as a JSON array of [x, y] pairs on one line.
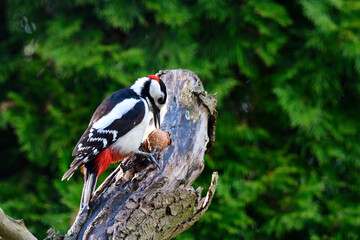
[[287, 76]]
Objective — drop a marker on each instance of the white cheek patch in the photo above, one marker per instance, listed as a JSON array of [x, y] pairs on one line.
[[155, 90]]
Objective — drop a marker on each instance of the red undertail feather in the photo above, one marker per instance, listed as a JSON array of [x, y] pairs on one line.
[[107, 157]]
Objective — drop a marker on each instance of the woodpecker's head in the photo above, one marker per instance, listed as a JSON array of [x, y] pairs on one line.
[[153, 89]]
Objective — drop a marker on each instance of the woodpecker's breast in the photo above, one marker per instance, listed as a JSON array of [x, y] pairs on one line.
[[131, 140]]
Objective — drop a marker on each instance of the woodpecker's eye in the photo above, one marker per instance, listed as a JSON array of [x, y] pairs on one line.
[[160, 100]]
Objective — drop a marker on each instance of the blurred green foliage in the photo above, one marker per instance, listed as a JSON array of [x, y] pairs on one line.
[[286, 72]]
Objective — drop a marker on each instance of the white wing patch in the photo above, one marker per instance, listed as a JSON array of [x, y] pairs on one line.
[[116, 113], [131, 140]]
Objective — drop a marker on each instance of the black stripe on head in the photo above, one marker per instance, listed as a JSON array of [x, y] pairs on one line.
[[145, 92], [163, 89]]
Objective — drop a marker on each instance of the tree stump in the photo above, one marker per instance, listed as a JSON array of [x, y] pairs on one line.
[[140, 201]]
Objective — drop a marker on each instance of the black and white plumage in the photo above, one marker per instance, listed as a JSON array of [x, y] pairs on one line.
[[117, 129]]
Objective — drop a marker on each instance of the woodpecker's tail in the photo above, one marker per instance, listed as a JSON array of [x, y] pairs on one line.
[[68, 174], [90, 179], [73, 167]]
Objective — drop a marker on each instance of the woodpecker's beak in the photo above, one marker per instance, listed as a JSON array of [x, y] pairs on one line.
[[156, 113]]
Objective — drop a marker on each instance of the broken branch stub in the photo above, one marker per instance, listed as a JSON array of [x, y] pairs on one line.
[[140, 201], [12, 229]]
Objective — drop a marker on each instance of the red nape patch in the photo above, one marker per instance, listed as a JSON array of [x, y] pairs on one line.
[[154, 77], [106, 157]]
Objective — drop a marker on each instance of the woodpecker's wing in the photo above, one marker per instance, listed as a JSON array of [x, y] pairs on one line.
[[114, 117]]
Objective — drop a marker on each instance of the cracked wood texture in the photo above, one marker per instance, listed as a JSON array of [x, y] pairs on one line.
[[139, 201]]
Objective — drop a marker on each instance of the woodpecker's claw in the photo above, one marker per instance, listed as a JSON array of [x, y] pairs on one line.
[[151, 155], [155, 149], [154, 161], [152, 158]]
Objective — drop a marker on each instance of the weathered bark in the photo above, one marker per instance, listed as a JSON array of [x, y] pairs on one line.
[[11, 229], [139, 201]]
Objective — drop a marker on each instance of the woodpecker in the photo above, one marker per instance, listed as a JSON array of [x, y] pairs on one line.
[[116, 130]]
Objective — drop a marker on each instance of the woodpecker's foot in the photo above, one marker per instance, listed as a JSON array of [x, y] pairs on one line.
[[151, 155]]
